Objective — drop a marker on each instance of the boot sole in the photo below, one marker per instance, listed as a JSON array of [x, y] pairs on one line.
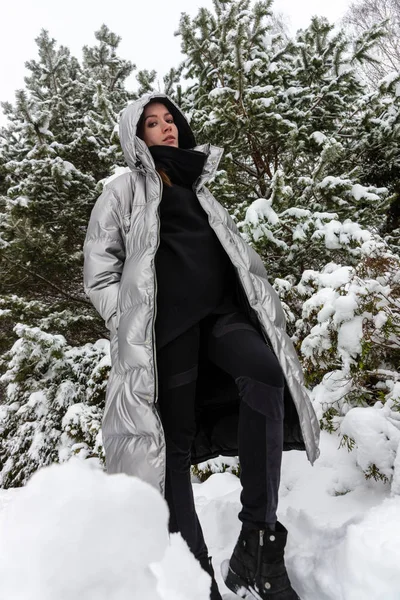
[[236, 584]]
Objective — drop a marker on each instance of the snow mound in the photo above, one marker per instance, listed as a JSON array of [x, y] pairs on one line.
[[356, 561], [372, 555], [75, 532]]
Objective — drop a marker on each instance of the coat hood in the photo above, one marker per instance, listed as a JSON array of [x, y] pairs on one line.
[[135, 149]]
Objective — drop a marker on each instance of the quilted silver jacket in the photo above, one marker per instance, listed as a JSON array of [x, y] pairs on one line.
[[119, 278]]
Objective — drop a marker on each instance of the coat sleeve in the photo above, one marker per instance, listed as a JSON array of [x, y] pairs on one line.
[[104, 257]]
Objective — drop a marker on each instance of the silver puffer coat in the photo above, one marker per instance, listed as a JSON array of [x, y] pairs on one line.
[[119, 278]]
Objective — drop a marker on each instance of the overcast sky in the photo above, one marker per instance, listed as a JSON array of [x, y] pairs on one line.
[[146, 27]]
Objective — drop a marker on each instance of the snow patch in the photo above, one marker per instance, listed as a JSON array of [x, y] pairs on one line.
[[75, 532]]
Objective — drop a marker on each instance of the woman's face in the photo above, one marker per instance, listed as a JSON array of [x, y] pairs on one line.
[[159, 128]]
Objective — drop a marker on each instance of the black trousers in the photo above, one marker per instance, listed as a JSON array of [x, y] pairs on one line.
[[235, 346]]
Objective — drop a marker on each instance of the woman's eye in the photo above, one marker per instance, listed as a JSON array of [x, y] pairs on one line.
[[152, 123]]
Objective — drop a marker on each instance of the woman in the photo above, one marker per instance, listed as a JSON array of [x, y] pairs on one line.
[[201, 363]]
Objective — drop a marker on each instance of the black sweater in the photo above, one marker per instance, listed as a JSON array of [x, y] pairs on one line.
[[195, 276]]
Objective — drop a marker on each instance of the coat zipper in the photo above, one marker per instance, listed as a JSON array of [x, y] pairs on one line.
[[155, 298], [154, 318]]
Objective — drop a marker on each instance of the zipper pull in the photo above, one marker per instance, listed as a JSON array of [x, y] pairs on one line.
[[261, 537]]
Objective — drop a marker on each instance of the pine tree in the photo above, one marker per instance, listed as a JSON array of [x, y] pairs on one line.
[[293, 106], [60, 142], [55, 400]]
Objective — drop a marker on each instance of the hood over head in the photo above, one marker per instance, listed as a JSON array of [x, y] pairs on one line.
[[133, 147]]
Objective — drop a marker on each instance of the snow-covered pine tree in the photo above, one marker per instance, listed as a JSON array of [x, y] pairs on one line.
[[377, 150], [54, 403], [103, 96], [272, 101], [59, 142]]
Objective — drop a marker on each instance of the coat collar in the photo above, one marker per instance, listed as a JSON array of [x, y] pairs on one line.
[[214, 155], [145, 162]]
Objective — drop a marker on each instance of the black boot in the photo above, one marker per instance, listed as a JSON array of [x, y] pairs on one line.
[[206, 565], [257, 565]]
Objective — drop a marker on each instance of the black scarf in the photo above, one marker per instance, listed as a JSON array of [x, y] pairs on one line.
[[182, 166]]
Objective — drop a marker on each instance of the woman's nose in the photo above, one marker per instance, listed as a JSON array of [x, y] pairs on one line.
[[167, 126]]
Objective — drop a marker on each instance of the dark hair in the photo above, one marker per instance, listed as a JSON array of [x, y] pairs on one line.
[[140, 133]]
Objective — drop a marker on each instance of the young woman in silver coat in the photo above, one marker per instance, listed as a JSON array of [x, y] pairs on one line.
[[201, 363]]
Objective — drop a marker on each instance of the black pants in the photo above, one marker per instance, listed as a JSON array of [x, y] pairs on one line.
[[235, 346]]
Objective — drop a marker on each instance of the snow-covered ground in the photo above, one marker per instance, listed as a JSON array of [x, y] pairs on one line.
[[74, 532], [344, 531]]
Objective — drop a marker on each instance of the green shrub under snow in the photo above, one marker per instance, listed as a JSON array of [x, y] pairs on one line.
[[222, 464], [349, 339], [53, 403]]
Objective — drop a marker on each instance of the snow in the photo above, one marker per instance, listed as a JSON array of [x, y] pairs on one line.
[[396, 475], [22, 201], [330, 182], [267, 40], [330, 392], [389, 78], [292, 91], [377, 439], [359, 191], [350, 336], [247, 65], [262, 89], [318, 137], [221, 91], [332, 276], [266, 102], [372, 553], [74, 531], [337, 234], [261, 209]]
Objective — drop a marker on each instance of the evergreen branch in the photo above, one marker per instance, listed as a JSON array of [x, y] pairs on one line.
[[245, 168], [49, 283]]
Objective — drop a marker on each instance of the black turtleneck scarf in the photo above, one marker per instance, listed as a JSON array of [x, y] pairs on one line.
[[195, 276]]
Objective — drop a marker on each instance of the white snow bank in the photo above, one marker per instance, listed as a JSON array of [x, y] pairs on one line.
[[75, 532], [371, 555], [356, 561]]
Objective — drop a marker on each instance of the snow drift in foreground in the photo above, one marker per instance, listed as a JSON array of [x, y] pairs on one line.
[[74, 532]]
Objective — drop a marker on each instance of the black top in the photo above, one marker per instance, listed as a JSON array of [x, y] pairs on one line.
[[195, 276]]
